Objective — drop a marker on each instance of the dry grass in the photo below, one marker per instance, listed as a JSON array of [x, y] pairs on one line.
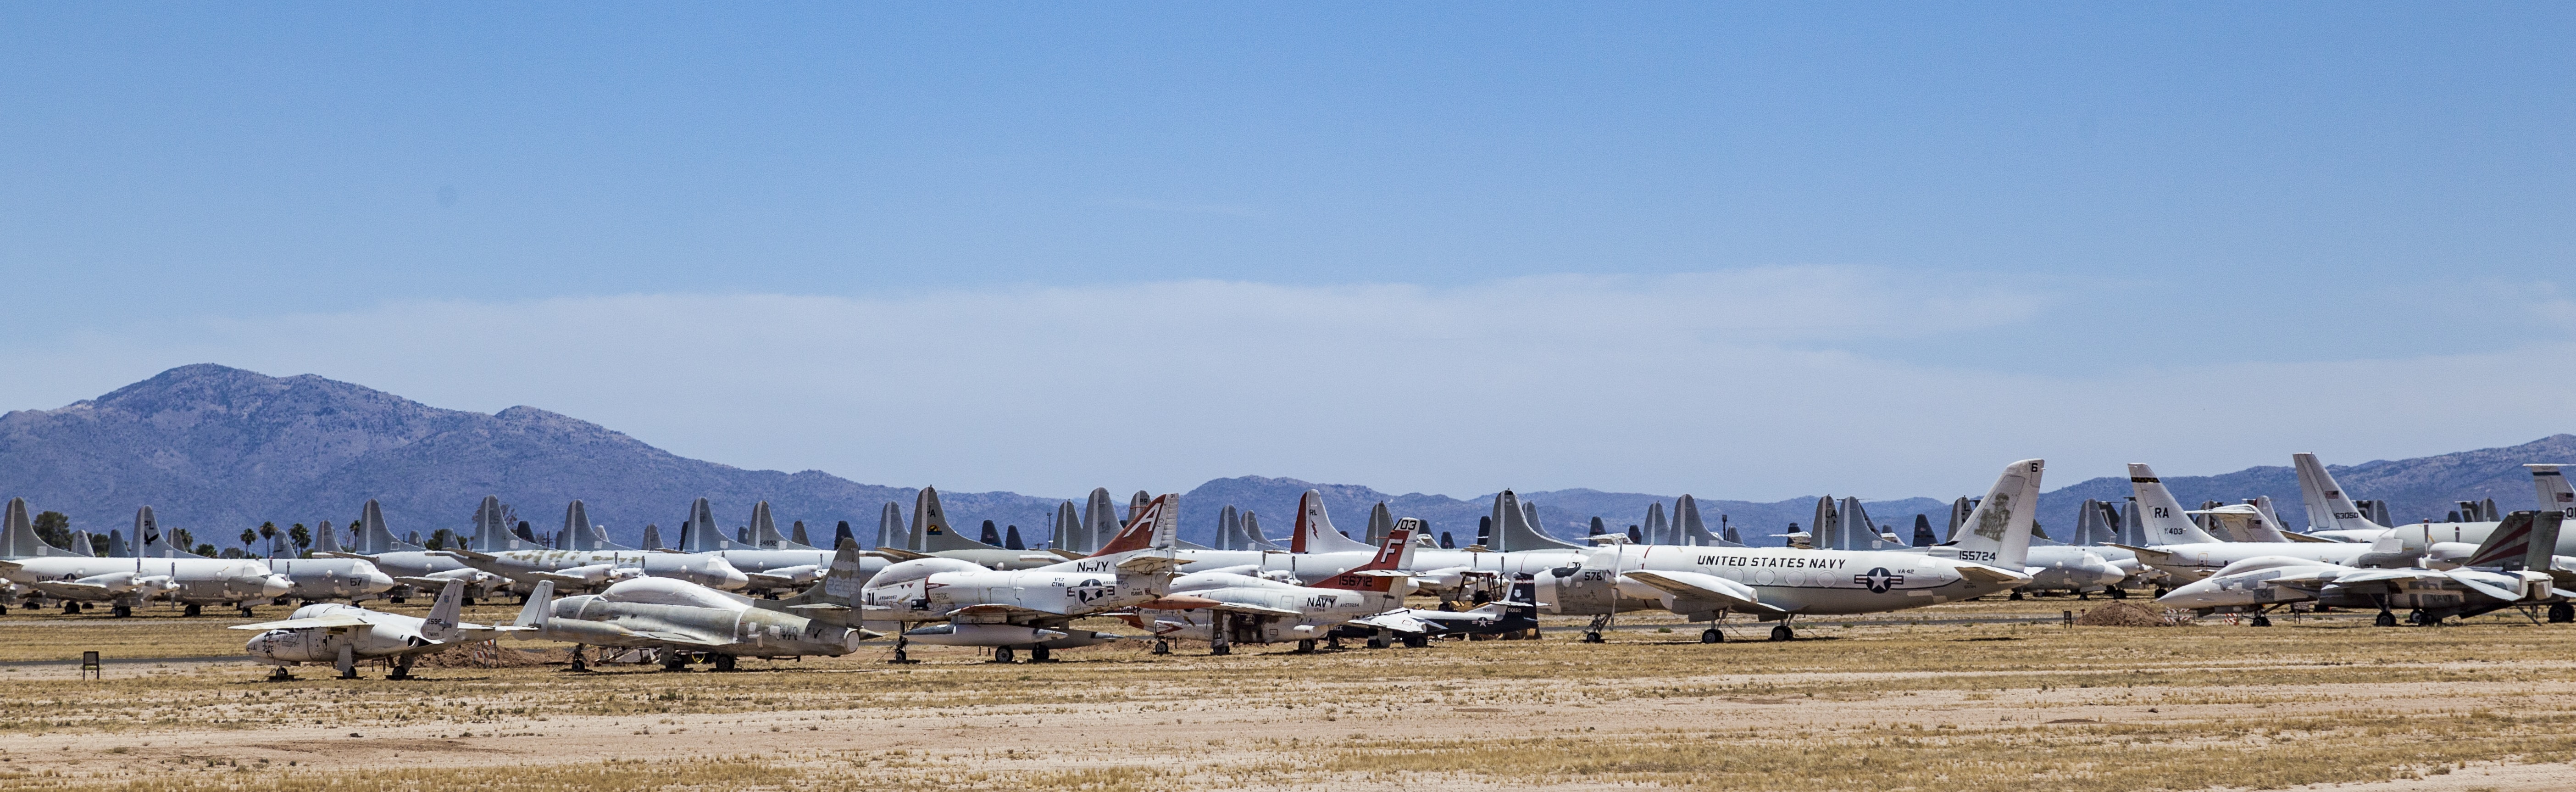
[[1881, 705]]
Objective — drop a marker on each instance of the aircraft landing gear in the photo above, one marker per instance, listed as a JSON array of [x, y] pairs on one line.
[[279, 674], [4, 610], [1417, 641], [2261, 620], [2162, 591], [2385, 619], [1333, 642], [402, 668], [724, 662], [675, 661], [1783, 633], [2419, 618], [902, 657], [1711, 635], [348, 664], [1162, 647], [245, 611], [1039, 654], [71, 607], [1590, 636], [1306, 646], [1003, 654], [2016, 594], [2116, 592], [2559, 613], [191, 610], [578, 664]]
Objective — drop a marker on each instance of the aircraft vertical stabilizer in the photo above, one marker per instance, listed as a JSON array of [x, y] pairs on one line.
[[370, 534], [1067, 529], [1689, 529], [1315, 532], [1380, 522], [798, 536], [2510, 544], [539, 608], [1098, 521], [2549, 482], [699, 533], [2163, 516], [20, 539], [155, 543], [1656, 530], [652, 536], [326, 539], [117, 547], [1997, 532], [764, 531], [440, 625], [2328, 507], [890, 527], [1229, 529], [1260, 541], [1516, 526], [931, 532]]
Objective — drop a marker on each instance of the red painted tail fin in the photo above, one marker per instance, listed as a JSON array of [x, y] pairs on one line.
[[1383, 571], [1151, 526]]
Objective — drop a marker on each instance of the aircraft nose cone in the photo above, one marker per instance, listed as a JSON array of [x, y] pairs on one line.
[[257, 646], [275, 586]]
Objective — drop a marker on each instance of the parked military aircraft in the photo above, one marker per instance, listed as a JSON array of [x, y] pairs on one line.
[[123, 583], [933, 537], [411, 565], [2189, 553], [342, 635], [2511, 568], [772, 562], [2332, 514], [589, 569], [316, 579], [1782, 583], [1246, 608], [1028, 609], [682, 619]]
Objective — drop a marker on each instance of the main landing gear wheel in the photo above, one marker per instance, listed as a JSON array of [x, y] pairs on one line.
[[2419, 618], [1711, 635], [1162, 647], [2559, 613], [579, 664], [2117, 592], [402, 668], [901, 656], [245, 612], [1417, 641], [2162, 591], [1220, 650], [1002, 654], [191, 611], [71, 607], [724, 662], [1783, 633], [1039, 654], [2016, 594], [2261, 620], [1592, 637], [2385, 619], [675, 661], [279, 674], [1306, 646]]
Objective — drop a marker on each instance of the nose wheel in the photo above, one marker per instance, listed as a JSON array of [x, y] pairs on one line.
[[1711, 635], [1002, 654], [1039, 654], [1783, 633]]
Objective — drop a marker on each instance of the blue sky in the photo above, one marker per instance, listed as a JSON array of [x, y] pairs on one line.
[[1485, 245]]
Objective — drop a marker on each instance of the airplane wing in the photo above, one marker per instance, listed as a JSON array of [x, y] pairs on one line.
[[769, 581], [680, 639], [2300, 537], [1987, 574], [1067, 555], [898, 554], [1702, 587], [1263, 610], [70, 590], [423, 582], [331, 620], [2378, 575], [1399, 620], [994, 613], [2483, 587]]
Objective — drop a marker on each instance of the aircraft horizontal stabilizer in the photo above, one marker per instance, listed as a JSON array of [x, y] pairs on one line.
[[898, 554], [342, 619], [2300, 537], [2380, 575], [1702, 587], [1067, 555], [1397, 620], [2500, 594], [1990, 575], [1149, 564]]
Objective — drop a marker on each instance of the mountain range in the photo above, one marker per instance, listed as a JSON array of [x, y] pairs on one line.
[[216, 449]]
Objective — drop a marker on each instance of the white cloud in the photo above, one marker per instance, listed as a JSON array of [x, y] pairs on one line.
[[1730, 384]]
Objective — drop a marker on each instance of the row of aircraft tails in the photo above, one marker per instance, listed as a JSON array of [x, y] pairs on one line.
[[763, 594]]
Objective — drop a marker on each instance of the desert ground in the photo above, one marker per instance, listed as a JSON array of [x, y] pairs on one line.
[[1988, 695]]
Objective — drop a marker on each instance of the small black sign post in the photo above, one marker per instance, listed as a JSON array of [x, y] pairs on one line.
[[90, 668]]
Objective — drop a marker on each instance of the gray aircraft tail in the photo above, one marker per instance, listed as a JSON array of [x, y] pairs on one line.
[[440, 625], [2329, 508], [117, 547], [797, 535], [492, 529], [1381, 522], [581, 534], [1315, 532], [371, 535], [1655, 530], [2549, 483], [890, 527], [1260, 541], [1689, 529], [1099, 520], [931, 532], [764, 531], [652, 537], [1998, 531], [19, 540], [1959, 510], [699, 534], [156, 543], [1066, 528], [81, 545], [1229, 529], [831, 600], [2092, 526], [1516, 526], [540, 607], [326, 539]]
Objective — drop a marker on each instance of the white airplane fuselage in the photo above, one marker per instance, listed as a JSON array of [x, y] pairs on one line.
[[200, 581], [1798, 581], [931, 589], [332, 578], [384, 634]]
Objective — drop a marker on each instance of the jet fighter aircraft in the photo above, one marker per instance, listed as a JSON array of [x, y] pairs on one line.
[[1028, 609], [1247, 608], [2511, 568], [683, 619], [342, 635]]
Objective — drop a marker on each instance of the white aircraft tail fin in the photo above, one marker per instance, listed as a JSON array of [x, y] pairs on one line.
[[1066, 530], [440, 625], [764, 531], [2328, 507], [2555, 494], [539, 608], [117, 547], [1315, 532], [81, 545], [1655, 530], [1997, 532], [2164, 518], [1689, 529], [890, 527], [1260, 541], [157, 544], [1099, 521]]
